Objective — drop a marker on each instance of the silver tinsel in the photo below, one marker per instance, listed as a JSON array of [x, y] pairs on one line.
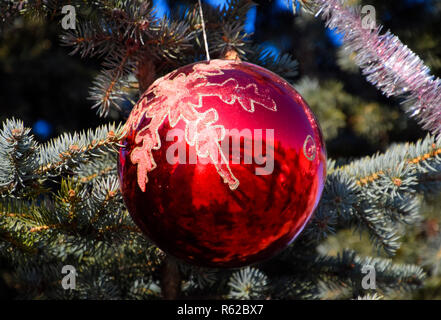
[[387, 63]]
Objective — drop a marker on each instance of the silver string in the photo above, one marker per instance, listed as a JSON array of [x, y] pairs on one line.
[[204, 31], [294, 6]]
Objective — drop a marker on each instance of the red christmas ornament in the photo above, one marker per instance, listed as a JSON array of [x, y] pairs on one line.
[[223, 163]]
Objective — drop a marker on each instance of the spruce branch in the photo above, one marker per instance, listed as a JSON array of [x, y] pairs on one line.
[[102, 166], [381, 232], [319, 276], [13, 213], [295, 288], [284, 65], [369, 296], [199, 278], [18, 156], [131, 41], [231, 36], [108, 87], [347, 268], [376, 193], [24, 162], [88, 40], [70, 150], [402, 166], [346, 204], [248, 283]]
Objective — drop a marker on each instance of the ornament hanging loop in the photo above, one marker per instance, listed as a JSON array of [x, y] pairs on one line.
[[204, 31]]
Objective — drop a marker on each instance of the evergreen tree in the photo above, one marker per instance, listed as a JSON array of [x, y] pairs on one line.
[[60, 202]]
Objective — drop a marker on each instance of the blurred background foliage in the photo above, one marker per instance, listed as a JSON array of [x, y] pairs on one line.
[[48, 89]]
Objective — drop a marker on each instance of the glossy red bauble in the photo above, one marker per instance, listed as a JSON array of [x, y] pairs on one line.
[[223, 163]]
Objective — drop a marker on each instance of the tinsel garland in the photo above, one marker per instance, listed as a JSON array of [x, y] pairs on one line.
[[386, 62]]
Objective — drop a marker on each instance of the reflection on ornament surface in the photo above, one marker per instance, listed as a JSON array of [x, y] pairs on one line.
[[239, 194]]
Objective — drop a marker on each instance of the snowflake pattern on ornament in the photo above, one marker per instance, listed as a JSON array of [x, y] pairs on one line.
[[169, 97]]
